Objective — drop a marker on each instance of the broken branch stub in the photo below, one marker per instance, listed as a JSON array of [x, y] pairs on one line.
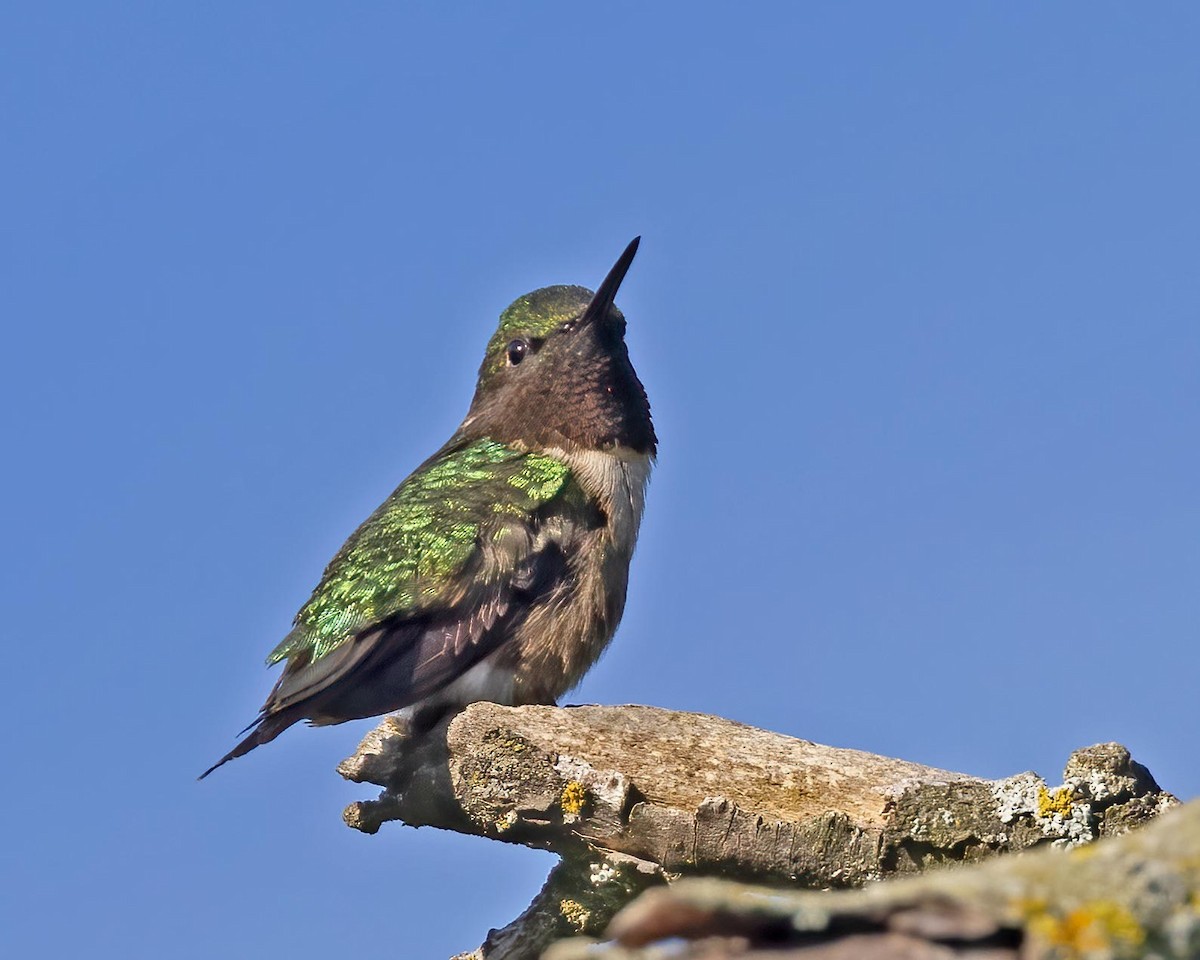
[[695, 794]]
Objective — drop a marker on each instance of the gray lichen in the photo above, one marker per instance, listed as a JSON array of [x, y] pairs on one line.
[[629, 796]]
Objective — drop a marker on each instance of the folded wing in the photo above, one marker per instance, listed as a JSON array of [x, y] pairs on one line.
[[434, 581]]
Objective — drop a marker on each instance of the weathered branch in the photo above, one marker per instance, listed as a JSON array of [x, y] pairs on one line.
[[1132, 896], [631, 795], [580, 896]]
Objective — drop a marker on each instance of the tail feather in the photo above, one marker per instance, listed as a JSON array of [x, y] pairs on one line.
[[264, 730]]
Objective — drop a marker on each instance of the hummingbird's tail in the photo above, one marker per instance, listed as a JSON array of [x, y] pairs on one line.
[[265, 729]]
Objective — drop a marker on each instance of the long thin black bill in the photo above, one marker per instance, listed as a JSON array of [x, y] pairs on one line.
[[607, 293]]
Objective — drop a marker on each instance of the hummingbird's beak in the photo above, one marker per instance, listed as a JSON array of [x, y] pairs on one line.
[[597, 310]]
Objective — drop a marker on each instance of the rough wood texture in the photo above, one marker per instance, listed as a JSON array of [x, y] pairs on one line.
[[678, 794], [581, 896], [1131, 896]]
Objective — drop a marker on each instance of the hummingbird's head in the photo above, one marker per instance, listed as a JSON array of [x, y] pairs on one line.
[[557, 373]]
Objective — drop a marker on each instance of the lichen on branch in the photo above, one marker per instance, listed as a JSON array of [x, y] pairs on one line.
[[668, 795]]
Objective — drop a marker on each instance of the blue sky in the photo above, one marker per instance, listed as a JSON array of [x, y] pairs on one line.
[[916, 306]]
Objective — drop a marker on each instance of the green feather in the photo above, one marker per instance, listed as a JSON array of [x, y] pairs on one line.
[[406, 557], [536, 314]]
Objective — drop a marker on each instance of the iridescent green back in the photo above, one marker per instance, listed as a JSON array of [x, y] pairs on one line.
[[405, 557]]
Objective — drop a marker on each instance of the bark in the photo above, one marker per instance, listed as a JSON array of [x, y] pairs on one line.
[[1131, 896], [633, 796]]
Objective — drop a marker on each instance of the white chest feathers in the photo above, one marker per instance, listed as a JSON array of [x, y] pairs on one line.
[[617, 480]]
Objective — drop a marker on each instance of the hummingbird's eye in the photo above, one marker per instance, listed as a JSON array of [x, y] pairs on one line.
[[516, 351]]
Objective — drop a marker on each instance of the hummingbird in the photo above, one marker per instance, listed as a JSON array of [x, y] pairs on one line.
[[498, 569]]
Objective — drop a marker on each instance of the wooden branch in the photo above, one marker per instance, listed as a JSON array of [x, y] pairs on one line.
[[675, 794], [580, 896], [1136, 895]]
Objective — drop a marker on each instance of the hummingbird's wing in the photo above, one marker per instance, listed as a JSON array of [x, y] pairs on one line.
[[410, 655], [431, 583]]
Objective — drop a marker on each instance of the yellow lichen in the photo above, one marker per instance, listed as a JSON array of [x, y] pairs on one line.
[[1099, 927], [574, 798], [575, 913], [1058, 801]]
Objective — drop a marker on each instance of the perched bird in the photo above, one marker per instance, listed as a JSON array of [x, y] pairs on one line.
[[497, 570]]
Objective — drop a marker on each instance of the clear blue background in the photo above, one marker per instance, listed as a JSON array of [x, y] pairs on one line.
[[916, 307]]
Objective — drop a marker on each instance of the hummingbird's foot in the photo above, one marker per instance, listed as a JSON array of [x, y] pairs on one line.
[[420, 718]]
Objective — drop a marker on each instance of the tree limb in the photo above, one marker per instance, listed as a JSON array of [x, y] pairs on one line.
[[1131, 896], [661, 794]]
